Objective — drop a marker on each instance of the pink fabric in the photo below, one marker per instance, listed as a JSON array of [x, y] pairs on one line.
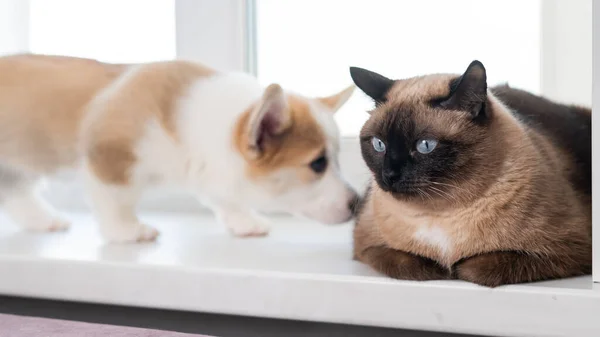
[[20, 326]]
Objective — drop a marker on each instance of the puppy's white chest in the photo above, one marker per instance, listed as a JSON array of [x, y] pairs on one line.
[[434, 236]]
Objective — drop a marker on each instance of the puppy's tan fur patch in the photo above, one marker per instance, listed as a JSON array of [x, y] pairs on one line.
[[47, 107], [43, 101], [302, 138], [118, 119]]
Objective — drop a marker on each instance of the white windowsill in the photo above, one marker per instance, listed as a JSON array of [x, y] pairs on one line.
[[301, 271]]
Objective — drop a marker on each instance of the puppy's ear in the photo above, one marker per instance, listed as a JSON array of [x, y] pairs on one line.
[[336, 101], [371, 83], [269, 118]]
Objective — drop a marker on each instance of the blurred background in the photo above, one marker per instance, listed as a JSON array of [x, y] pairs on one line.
[[544, 46]]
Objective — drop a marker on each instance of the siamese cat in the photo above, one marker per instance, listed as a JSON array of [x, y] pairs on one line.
[[487, 185]]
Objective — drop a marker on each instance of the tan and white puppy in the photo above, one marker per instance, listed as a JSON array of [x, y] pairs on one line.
[[240, 147]]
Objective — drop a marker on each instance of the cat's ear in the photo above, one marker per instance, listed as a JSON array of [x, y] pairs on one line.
[[374, 85], [269, 118], [469, 91]]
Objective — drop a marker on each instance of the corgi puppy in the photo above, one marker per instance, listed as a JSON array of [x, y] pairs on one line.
[[241, 148]]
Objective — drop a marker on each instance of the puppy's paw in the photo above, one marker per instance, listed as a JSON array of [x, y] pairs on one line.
[[128, 233], [249, 227], [47, 225]]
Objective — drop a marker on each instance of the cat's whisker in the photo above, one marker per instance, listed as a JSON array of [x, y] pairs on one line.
[[438, 193], [421, 194], [443, 194], [424, 193], [462, 189]]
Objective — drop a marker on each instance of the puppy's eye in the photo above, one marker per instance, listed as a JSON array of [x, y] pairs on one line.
[[425, 146], [319, 165], [378, 144]]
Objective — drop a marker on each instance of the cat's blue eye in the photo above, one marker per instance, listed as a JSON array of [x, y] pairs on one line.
[[425, 146], [378, 144]]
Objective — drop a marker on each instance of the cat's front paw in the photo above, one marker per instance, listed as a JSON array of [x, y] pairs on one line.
[[128, 233], [402, 265], [479, 270]]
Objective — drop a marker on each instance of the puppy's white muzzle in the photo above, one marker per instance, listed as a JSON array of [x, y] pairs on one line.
[[333, 210]]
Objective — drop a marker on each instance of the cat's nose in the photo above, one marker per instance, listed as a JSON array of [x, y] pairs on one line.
[[390, 176]]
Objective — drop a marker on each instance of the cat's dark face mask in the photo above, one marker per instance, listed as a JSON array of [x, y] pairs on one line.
[[427, 137]]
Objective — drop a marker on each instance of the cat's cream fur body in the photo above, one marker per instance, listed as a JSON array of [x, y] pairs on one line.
[[504, 198], [128, 127], [449, 234]]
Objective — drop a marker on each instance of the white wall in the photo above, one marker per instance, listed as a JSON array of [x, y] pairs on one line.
[[567, 50], [14, 27]]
